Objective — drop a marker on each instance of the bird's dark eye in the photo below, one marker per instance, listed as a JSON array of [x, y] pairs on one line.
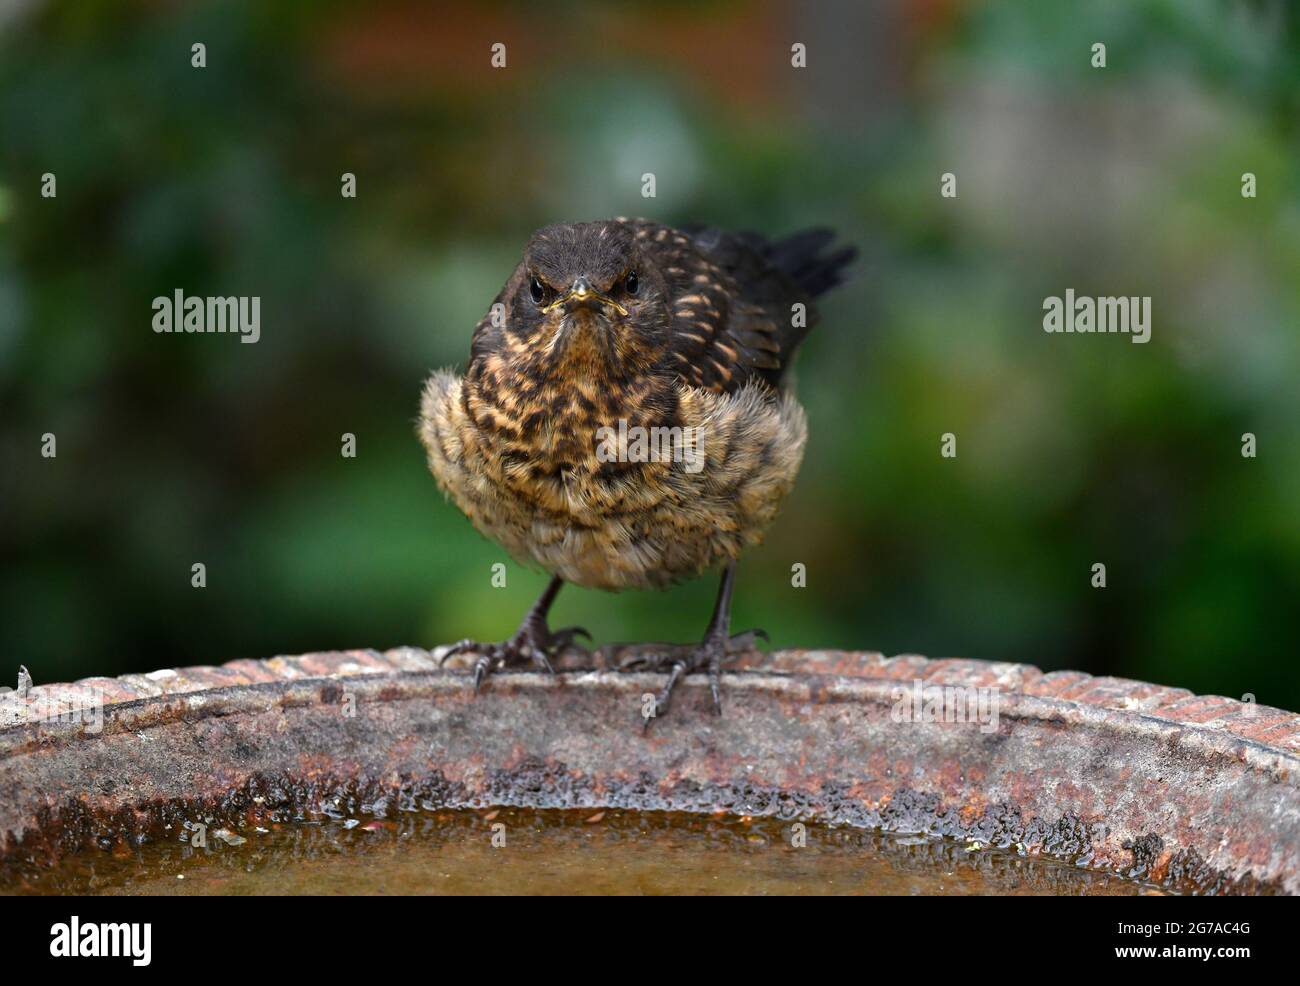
[[537, 289], [630, 284]]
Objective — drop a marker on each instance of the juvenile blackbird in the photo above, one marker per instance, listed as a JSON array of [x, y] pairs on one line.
[[624, 421]]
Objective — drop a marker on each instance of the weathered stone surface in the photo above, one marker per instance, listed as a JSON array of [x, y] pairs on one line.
[[1198, 793]]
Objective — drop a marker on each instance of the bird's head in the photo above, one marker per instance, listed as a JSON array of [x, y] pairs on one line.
[[588, 299]]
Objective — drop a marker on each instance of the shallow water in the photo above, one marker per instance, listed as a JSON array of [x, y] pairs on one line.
[[560, 852]]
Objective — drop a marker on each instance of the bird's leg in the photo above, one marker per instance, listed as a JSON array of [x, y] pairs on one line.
[[533, 642], [717, 646]]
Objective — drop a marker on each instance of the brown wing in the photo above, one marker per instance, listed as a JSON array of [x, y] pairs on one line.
[[735, 297]]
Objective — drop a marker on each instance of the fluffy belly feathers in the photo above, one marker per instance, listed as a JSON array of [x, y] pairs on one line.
[[627, 524]]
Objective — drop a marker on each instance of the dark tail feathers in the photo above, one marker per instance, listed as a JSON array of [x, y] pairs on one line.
[[800, 257]]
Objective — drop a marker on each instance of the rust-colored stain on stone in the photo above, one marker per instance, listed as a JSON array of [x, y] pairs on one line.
[[1195, 793]]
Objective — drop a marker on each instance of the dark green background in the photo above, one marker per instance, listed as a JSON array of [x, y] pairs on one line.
[[1072, 450]]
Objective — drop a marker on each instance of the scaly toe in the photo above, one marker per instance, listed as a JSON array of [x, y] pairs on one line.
[[644, 661], [561, 640], [538, 657], [460, 647]]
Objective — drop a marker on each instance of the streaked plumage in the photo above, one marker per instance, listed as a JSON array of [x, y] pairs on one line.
[[628, 323]]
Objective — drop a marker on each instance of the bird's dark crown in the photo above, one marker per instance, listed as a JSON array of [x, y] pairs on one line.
[[601, 252]]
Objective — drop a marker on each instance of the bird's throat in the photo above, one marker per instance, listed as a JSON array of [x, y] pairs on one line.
[[582, 343]]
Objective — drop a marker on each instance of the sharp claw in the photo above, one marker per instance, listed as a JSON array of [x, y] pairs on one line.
[[645, 723], [519, 648], [715, 677], [480, 671], [664, 698], [457, 648], [709, 656]]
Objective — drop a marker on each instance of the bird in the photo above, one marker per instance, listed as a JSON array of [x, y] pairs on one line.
[[626, 419]]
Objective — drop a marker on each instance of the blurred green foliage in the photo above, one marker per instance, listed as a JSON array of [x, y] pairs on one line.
[[1071, 450]]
